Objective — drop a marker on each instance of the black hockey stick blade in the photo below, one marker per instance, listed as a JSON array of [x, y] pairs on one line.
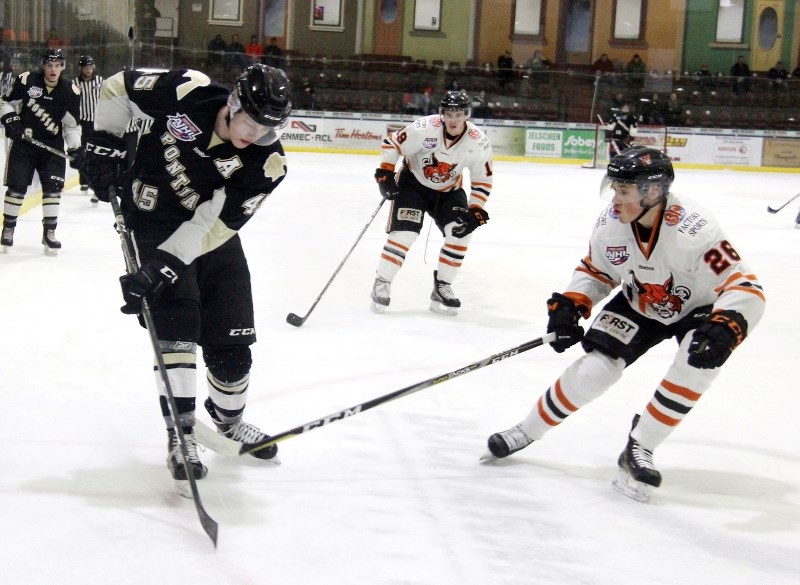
[[295, 320], [249, 448], [777, 209]]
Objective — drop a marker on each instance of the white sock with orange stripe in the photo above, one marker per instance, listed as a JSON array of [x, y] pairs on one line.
[[394, 254], [675, 396], [451, 254], [583, 381]]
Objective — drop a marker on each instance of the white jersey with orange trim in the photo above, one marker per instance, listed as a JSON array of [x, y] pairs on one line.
[[438, 162], [685, 262]]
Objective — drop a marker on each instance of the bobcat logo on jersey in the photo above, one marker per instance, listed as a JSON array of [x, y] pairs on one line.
[[438, 172], [665, 300], [182, 128]]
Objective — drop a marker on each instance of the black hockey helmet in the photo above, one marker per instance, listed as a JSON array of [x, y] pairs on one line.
[[263, 93], [455, 101], [53, 56], [644, 167], [86, 60]]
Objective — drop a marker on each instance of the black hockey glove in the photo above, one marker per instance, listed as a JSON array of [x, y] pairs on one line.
[[105, 158], [386, 183], [145, 284], [469, 220], [563, 320], [13, 125], [717, 337], [77, 157]]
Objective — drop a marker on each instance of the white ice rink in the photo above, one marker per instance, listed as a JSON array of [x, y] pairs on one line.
[[395, 495]]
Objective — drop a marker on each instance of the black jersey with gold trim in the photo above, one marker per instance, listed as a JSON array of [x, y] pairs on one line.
[[48, 114], [180, 162]]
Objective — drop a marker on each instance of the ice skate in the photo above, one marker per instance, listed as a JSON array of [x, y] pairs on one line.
[[175, 461], [443, 300], [637, 475], [381, 292], [50, 243], [505, 443], [94, 200], [7, 239], [244, 432]]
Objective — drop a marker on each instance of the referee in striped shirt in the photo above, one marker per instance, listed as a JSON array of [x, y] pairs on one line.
[[89, 84]]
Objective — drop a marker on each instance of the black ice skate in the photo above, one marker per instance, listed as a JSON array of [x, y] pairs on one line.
[[175, 461], [50, 243], [637, 475], [7, 239], [505, 443], [381, 293], [243, 432], [442, 298]]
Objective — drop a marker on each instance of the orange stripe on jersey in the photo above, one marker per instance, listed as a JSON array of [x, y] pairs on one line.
[[747, 289], [444, 260], [596, 276], [477, 195], [733, 277], [545, 417], [486, 185], [396, 245], [454, 247], [680, 390], [563, 399], [661, 417], [391, 259]]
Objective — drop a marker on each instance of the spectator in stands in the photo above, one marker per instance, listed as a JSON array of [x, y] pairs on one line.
[[778, 76], [536, 67], [480, 106], [673, 111], [740, 74], [616, 103], [216, 50], [703, 77], [253, 50], [652, 111], [635, 72], [235, 53], [505, 68], [273, 56], [603, 65], [305, 93]]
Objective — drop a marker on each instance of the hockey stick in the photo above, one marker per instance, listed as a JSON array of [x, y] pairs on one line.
[[227, 446], [208, 523], [777, 209], [46, 147], [296, 320]]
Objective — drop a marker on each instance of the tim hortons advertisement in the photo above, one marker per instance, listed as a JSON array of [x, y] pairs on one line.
[[333, 133]]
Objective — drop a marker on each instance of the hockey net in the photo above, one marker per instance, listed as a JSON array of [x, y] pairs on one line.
[[652, 136]]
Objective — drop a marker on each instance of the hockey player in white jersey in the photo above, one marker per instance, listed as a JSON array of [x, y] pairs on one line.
[[680, 277], [436, 151]]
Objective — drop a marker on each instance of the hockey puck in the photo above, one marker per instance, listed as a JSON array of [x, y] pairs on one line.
[[293, 319]]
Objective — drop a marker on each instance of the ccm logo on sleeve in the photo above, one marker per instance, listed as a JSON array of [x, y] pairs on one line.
[[242, 332]]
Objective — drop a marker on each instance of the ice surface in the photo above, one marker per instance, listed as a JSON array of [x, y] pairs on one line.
[[394, 495]]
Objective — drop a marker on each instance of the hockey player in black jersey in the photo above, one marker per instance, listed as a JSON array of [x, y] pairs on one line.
[[44, 107], [206, 163]]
